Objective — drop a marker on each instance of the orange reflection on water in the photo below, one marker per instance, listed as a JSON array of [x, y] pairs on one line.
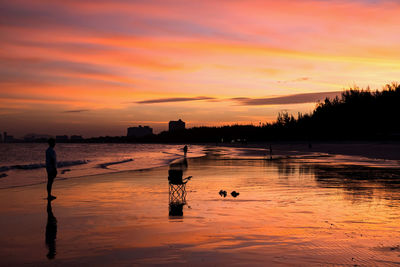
[[286, 213]]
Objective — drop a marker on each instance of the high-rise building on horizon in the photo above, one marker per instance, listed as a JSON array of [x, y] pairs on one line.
[[139, 131], [178, 125]]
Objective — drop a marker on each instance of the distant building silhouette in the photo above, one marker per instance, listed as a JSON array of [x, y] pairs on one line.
[[76, 137], [139, 131], [61, 138], [178, 125], [30, 137], [35, 137], [8, 138]]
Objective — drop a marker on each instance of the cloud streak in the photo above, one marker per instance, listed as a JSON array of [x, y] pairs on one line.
[[301, 79], [247, 101], [286, 100], [175, 99], [76, 111]]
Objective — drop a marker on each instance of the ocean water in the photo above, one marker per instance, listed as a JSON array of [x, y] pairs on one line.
[[306, 157], [290, 212], [23, 164]]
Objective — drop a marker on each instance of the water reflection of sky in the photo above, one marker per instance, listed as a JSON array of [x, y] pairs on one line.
[[288, 212]]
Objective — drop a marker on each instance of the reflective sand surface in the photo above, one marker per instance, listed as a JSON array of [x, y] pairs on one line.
[[287, 213]]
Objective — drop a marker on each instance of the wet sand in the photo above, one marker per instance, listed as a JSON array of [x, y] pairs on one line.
[[389, 150], [289, 212]]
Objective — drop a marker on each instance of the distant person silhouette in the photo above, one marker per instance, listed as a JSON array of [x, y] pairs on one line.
[[51, 167], [51, 232], [185, 150]]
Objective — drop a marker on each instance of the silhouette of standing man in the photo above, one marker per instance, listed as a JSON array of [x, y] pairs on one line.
[[185, 149], [51, 167]]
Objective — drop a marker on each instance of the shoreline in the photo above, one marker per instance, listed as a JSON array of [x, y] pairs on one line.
[[105, 158], [106, 173], [379, 151], [374, 150]]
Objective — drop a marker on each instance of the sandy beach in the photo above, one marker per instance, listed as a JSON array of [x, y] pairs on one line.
[[386, 150], [289, 212]]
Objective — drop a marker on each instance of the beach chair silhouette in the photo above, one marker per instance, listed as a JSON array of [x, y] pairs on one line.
[[177, 191]]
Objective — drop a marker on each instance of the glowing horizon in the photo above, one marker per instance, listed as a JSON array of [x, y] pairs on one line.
[[77, 67]]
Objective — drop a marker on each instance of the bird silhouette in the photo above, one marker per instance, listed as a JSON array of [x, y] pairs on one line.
[[222, 193], [235, 194]]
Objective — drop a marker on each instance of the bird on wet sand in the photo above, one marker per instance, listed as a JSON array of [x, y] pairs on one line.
[[235, 194], [222, 193]]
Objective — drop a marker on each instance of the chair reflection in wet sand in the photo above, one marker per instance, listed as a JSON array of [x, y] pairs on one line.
[[177, 191]]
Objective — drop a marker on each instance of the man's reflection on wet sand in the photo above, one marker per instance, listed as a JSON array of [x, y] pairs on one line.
[[51, 232]]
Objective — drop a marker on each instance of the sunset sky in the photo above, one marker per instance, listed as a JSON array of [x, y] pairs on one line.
[[97, 67]]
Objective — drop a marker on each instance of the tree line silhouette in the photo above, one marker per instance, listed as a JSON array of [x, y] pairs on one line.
[[358, 114]]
